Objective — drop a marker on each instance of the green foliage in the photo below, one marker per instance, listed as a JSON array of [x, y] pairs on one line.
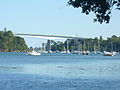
[[96, 44], [10, 43], [101, 8], [55, 46], [111, 44]]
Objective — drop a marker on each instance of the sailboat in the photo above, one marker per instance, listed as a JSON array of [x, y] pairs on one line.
[[108, 54], [33, 53]]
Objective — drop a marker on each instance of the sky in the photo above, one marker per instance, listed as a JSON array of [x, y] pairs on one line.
[[53, 18]]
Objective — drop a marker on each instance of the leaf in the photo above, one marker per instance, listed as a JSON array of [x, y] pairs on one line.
[[114, 2], [118, 8]]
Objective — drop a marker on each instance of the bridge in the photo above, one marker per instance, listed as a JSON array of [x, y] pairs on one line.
[[49, 36]]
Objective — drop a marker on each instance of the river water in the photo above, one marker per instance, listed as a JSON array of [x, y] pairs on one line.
[[19, 71]]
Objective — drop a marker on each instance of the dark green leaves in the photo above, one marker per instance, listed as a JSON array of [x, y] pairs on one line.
[[10, 43], [101, 8]]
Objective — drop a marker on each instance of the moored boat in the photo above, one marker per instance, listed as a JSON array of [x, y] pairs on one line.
[[33, 53], [85, 52], [108, 54]]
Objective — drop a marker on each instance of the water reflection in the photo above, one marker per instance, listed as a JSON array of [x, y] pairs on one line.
[[10, 68], [62, 66], [83, 69], [75, 70]]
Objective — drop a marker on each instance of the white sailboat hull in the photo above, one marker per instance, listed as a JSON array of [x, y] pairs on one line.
[[33, 53]]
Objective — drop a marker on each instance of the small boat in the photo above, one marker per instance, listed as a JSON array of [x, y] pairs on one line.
[[97, 52], [33, 53], [108, 54], [114, 53], [50, 51], [85, 52], [68, 52], [63, 52], [75, 52]]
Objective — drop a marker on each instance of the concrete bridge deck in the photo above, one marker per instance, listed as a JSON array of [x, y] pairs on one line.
[[49, 36]]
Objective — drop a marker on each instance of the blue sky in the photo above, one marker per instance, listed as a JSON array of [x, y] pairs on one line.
[[54, 18]]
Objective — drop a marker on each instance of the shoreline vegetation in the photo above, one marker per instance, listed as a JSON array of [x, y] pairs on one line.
[[11, 43], [91, 44]]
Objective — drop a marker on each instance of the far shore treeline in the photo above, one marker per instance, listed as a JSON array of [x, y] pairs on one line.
[[11, 43], [91, 44]]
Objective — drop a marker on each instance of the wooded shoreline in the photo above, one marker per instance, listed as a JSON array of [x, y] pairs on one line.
[[11, 43]]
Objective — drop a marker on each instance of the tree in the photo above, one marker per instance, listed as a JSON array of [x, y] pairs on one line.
[[9, 42], [101, 8]]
